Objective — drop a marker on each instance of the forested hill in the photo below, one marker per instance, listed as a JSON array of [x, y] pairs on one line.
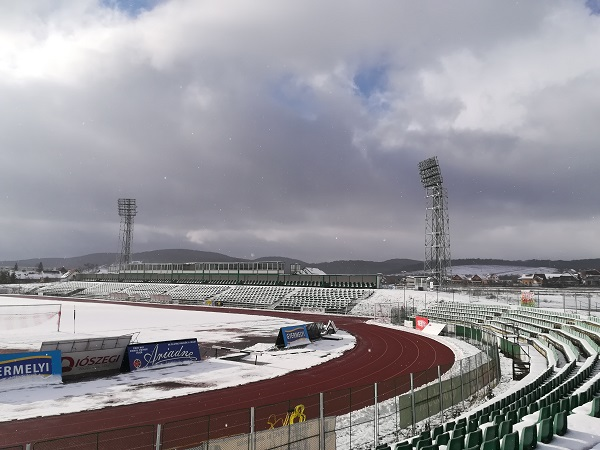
[[576, 264], [391, 266]]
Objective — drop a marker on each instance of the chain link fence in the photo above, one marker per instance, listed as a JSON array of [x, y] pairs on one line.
[[360, 417]]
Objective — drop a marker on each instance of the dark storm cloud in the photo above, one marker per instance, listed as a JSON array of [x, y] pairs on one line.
[[271, 128]]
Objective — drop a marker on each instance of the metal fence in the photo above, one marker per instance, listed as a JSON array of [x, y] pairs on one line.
[[360, 417]]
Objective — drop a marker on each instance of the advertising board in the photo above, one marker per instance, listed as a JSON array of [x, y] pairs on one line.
[[43, 365], [162, 353], [87, 356], [421, 322], [527, 298], [293, 336]]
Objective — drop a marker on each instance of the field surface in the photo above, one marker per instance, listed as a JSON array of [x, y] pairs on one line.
[[380, 354]]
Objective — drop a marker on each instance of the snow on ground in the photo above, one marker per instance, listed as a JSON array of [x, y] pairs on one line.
[[579, 301], [99, 319]]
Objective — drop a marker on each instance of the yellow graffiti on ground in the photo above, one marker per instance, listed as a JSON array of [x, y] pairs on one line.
[[293, 415]]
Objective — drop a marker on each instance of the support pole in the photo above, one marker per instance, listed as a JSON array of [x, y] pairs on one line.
[[476, 374], [321, 422], [412, 401], [252, 430], [376, 420], [441, 400], [158, 436], [462, 385]]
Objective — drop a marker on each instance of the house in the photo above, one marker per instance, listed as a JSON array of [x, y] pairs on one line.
[[476, 280], [457, 279], [562, 280], [533, 279], [590, 277], [493, 279]]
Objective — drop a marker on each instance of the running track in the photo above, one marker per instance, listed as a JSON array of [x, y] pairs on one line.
[[380, 354]]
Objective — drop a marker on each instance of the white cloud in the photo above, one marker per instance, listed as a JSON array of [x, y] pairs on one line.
[[242, 122]]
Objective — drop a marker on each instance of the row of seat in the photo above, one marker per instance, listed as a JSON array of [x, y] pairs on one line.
[[549, 399], [279, 297], [493, 437], [492, 428]]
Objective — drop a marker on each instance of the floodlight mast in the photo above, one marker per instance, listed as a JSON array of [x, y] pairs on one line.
[[127, 211], [437, 237]]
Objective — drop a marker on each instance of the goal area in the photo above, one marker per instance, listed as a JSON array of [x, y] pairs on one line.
[[16, 317]]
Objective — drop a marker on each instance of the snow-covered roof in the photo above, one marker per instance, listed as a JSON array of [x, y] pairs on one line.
[[311, 271]]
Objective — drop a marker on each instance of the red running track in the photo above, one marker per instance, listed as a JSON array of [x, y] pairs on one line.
[[383, 355]]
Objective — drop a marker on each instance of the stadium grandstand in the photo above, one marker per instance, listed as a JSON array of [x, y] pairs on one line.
[[546, 405], [289, 298], [263, 273]]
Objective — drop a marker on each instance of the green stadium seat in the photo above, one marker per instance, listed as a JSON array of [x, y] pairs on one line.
[[436, 432], [554, 408], [490, 433], [565, 405], [456, 443], [383, 447], [522, 412], [403, 446], [473, 425], [431, 447], [499, 419], [510, 441], [574, 401], [544, 413], [562, 390], [443, 438], [595, 412], [424, 442], [492, 444], [528, 437], [534, 407], [459, 432], [560, 423], [512, 417], [449, 426], [474, 438], [504, 428], [545, 431]]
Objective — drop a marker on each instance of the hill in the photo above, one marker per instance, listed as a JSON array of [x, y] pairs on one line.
[[391, 266], [560, 265]]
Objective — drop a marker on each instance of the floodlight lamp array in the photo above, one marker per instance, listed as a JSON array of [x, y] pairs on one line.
[[430, 172], [127, 207]]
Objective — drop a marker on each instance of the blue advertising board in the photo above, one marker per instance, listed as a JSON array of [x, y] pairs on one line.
[[294, 335], [159, 353], [32, 364]]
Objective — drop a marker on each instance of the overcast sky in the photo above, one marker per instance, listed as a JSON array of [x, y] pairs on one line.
[[294, 128]]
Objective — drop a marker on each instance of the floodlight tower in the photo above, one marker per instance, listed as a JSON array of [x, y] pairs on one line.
[[437, 237], [127, 211]]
